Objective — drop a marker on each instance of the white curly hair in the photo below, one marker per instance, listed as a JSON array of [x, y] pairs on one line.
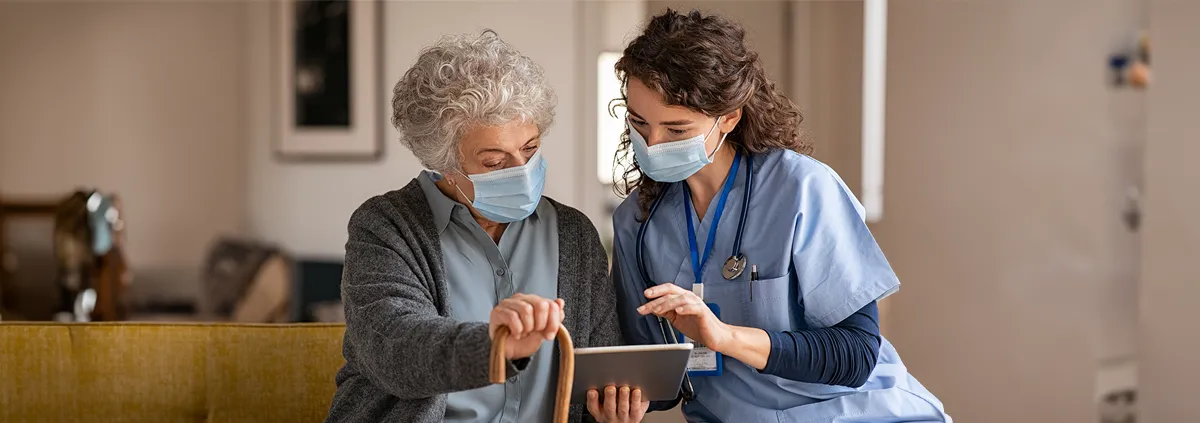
[[464, 81]]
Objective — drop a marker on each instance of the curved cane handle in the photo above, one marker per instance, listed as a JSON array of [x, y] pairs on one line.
[[566, 368]]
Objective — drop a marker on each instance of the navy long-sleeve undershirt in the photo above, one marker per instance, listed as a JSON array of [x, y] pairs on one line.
[[843, 354]]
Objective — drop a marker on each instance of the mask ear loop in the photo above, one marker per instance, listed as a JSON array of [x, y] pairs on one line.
[[466, 201], [719, 144]]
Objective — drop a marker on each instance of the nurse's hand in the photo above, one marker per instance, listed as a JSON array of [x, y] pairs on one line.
[[619, 405], [688, 313], [530, 319]]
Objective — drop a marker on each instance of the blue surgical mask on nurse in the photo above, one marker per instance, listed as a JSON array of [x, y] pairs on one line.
[[673, 161]]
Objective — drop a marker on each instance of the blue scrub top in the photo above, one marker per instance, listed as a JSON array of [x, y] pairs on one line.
[[817, 263]]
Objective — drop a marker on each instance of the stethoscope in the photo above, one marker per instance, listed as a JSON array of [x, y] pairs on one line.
[[733, 267]]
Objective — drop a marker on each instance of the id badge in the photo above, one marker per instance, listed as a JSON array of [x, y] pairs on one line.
[[703, 361]]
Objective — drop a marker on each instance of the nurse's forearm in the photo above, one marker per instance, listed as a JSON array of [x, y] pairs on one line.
[[843, 354], [748, 345]]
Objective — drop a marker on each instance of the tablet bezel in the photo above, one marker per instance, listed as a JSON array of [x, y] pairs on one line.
[[664, 388], [634, 348]]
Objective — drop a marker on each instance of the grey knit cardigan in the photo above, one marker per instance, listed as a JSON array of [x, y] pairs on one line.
[[403, 351]]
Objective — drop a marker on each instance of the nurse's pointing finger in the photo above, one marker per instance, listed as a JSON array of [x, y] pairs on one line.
[[654, 306], [671, 302], [660, 290]]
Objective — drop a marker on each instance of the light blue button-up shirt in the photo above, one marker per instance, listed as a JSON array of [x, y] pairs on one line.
[[480, 274]]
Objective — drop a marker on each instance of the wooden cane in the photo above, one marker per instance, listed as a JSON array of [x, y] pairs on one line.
[[566, 368]]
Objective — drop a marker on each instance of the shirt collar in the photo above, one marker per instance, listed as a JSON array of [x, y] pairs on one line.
[[441, 205]]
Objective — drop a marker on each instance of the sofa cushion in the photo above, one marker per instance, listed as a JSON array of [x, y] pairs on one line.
[[138, 372]]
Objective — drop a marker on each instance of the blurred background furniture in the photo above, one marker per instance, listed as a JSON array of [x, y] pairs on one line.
[[318, 291], [95, 372], [13, 269], [63, 258], [89, 240], [246, 281]]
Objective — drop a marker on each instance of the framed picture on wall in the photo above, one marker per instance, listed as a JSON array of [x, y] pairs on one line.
[[327, 73]]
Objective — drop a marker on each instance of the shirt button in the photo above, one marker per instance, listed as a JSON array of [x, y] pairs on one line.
[[499, 272]]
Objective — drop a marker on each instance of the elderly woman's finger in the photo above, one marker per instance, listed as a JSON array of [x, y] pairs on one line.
[[524, 315], [553, 320], [610, 403], [638, 406], [623, 404], [534, 304], [524, 311], [503, 316], [541, 314], [593, 405]]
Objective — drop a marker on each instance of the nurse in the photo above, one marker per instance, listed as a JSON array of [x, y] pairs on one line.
[[745, 244]]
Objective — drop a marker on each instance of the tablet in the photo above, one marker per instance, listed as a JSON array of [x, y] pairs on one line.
[[656, 369]]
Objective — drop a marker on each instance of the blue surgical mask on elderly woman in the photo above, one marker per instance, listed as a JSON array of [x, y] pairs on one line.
[[673, 161], [512, 194]]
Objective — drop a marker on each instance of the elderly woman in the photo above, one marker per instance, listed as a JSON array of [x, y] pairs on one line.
[[434, 268]]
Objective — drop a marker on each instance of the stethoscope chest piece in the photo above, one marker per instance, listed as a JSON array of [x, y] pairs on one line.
[[734, 266]]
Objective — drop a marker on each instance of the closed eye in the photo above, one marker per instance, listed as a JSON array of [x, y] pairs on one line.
[[677, 131]]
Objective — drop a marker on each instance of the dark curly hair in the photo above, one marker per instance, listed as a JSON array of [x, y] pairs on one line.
[[702, 63]]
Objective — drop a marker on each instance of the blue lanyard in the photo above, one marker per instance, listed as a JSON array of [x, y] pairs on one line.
[[697, 261]]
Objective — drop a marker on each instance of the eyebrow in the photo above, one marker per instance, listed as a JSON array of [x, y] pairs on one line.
[[497, 150], [668, 123]]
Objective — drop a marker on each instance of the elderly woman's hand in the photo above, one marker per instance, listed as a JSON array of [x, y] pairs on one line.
[[530, 319], [619, 406]]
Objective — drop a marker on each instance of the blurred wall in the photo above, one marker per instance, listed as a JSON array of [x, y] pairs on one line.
[[826, 81], [139, 98], [1170, 286], [603, 27], [1007, 163], [306, 206]]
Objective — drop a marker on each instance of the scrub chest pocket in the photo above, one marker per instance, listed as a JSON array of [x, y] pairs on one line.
[[768, 310]]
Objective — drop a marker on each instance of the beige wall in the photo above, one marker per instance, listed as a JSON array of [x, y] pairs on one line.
[[603, 26], [1170, 286], [138, 98], [827, 53], [1005, 179], [306, 206]]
